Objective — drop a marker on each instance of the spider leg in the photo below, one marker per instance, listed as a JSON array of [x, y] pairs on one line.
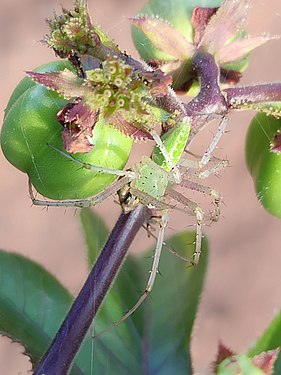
[[88, 202], [208, 154], [175, 170], [95, 168], [195, 210], [192, 168], [153, 273], [217, 198]]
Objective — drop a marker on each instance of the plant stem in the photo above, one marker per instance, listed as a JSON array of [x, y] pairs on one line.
[[239, 97], [59, 356], [210, 101]]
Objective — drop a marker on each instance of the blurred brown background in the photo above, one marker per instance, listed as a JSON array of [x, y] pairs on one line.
[[242, 291]]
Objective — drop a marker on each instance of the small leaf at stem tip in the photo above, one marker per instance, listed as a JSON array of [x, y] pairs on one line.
[[224, 25], [223, 353], [243, 365], [129, 128], [237, 49], [65, 83], [266, 360], [78, 123], [164, 36], [199, 20]]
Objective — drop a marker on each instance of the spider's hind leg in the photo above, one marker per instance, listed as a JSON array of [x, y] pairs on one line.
[[195, 210], [153, 273]]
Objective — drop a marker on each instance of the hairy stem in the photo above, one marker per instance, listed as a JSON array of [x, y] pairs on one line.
[[59, 356], [238, 97], [210, 101]]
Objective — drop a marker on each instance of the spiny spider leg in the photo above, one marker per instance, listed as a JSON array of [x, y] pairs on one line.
[[154, 270], [95, 168], [199, 214], [217, 198], [88, 202], [190, 168], [172, 251], [208, 154]]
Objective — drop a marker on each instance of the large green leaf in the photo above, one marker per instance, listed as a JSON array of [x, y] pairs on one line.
[[32, 303], [156, 338]]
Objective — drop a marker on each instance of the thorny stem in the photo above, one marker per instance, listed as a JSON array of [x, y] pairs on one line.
[[67, 342], [210, 101], [237, 97]]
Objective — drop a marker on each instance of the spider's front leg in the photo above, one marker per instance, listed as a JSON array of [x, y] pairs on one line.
[[125, 178], [81, 203]]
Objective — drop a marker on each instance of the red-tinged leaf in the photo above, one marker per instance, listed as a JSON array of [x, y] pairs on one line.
[[224, 25], [199, 20], [240, 47], [223, 353], [266, 360], [276, 143], [66, 83], [128, 128], [78, 122], [164, 36]]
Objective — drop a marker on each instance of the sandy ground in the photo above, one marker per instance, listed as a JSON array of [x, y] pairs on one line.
[[241, 293]]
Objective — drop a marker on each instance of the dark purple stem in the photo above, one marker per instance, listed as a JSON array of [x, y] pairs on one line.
[[210, 101], [67, 342], [238, 97]]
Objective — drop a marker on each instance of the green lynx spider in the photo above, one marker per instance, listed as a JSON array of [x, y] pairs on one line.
[[152, 180]]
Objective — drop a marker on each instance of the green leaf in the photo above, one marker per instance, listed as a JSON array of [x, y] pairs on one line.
[[157, 336], [178, 13], [239, 364], [32, 303], [264, 163], [164, 37], [271, 339], [95, 233]]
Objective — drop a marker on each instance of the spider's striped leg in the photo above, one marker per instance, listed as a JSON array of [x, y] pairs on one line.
[[217, 198], [192, 169], [153, 273], [208, 154], [95, 168], [195, 210], [88, 202]]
